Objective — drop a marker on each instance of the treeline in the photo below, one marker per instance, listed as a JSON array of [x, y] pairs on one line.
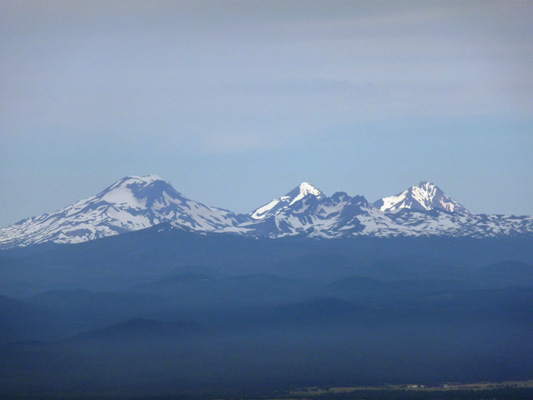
[[508, 393]]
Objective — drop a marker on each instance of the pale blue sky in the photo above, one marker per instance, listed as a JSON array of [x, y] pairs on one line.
[[237, 102]]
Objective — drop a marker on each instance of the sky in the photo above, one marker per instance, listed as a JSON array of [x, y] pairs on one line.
[[236, 103]]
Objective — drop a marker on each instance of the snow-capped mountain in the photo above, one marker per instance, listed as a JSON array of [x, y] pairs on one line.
[[306, 210], [317, 215], [132, 203], [421, 210], [425, 210], [422, 197], [136, 202]]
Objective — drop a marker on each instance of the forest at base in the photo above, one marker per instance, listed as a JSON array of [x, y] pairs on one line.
[[493, 392]]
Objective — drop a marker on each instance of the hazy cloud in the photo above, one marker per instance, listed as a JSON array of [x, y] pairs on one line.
[[108, 81], [78, 67]]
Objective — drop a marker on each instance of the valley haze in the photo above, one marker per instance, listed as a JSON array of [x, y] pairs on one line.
[[142, 291], [176, 312]]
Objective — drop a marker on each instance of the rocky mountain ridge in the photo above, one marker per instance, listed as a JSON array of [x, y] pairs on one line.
[[136, 202]]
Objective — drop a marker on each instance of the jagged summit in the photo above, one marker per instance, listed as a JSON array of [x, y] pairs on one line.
[[303, 190], [425, 196], [279, 204]]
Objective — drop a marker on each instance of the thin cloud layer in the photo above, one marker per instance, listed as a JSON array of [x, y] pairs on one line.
[[78, 68]]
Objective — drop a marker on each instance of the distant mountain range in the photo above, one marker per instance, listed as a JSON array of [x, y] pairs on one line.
[[139, 202]]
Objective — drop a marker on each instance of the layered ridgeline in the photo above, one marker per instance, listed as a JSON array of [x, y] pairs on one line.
[[135, 203]]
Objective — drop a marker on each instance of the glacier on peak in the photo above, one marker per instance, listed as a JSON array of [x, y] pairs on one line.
[[305, 189], [137, 192], [136, 179]]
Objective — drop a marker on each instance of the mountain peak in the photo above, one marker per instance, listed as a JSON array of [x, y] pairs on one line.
[[307, 187], [427, 184], [134, 191], [303, 190], [425, 196], [146, 178], [300, 192], [139, 180]]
